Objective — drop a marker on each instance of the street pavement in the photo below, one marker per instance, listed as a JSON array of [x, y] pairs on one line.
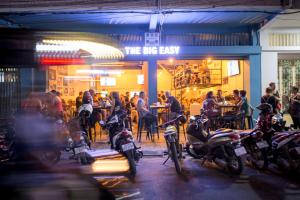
[[161, 182]]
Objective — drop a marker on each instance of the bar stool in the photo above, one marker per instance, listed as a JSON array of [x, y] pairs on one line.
[[141, 123]]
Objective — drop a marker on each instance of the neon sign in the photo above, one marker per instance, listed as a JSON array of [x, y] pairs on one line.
[[161, 50]]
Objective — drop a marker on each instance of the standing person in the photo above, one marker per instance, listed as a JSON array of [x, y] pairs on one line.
[[79, 100], [295, 107], [144, 112], [274, 91], [245, 108], [276, 95], [270, 99], [220, 98], [175, 106]]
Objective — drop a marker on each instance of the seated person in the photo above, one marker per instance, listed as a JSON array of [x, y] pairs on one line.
[[144, 112], [210, 105], [175, 107]]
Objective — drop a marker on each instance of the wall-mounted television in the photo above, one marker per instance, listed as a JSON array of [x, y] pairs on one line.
[[233, 67], [108, 81]]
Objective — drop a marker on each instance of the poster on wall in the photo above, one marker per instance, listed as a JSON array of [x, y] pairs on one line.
[[66, 91], [52, 87], [52, 74], [65, 82], [71, 92], [59, 89], [63, 70], [59, 81]]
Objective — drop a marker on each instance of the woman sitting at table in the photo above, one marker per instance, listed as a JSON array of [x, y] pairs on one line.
[[210, 105], [236, 97]]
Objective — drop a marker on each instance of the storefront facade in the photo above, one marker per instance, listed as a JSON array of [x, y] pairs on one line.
[[280, 41]]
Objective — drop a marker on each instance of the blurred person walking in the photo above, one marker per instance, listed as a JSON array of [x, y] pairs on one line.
[[295, 107]]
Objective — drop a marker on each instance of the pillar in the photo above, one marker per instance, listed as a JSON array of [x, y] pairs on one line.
[[152, 80], [255, 81]]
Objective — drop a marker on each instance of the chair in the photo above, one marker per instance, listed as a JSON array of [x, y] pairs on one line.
[[141, 123]]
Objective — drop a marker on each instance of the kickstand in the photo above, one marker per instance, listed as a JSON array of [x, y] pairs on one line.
[[166, 160]]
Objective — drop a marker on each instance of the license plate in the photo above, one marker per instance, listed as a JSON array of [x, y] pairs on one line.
[[262, 144], [298, 150], [79, 149], [240, 151], [127, 147]]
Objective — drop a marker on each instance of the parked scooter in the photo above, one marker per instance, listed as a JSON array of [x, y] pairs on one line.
[[223, 146], [75, 141], [286, 151], [122, 140], [271, 143]]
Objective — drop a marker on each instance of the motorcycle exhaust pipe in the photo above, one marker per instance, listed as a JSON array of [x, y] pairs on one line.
[[220, 162]]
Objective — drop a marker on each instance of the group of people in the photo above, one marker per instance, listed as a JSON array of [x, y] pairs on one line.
[[136, 107], [47, 104], [292, 103]]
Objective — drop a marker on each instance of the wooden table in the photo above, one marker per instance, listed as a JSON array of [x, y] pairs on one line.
[[157, 107], [226, 108]]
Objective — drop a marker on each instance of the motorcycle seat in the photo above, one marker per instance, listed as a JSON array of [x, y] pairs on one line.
[[245, 132], [223, 130]]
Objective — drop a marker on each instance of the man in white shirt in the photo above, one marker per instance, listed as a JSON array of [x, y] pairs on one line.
[[144, 112]]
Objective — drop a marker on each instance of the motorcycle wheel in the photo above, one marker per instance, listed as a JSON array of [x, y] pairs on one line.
[[259, 159], [49, 158], [131, 161], [234, 163], [174, 157], [192, 153]]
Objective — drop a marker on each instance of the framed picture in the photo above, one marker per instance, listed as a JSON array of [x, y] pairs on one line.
[[66, 91], [52, 74], [59, 89], [59, 81], [52, 87], [62, 70], [65, 82], [71, 92]]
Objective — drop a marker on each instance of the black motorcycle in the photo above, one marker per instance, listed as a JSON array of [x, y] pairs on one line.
[[122, 140]]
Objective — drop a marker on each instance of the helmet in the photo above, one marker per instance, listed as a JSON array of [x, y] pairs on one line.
[[265, 107]]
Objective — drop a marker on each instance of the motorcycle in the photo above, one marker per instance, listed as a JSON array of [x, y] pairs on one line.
[[122, 140], [274, 143], [222, 147], [75, 141], [171, 136], [286, 151]]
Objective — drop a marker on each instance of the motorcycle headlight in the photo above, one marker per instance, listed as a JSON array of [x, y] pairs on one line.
[[274, 120]]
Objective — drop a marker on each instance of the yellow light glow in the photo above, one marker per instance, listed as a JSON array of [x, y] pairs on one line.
[[110, 165], [171, 60], [209, 59], [187, 89], [97, 50], [194, 89]]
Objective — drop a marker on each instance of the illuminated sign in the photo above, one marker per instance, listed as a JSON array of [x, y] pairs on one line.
[[161, 50]]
